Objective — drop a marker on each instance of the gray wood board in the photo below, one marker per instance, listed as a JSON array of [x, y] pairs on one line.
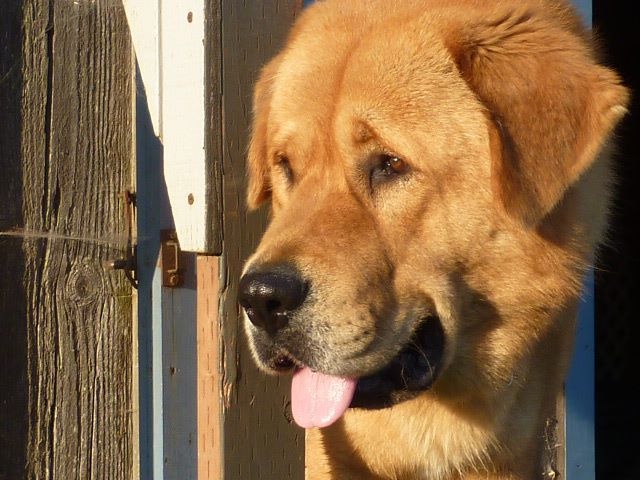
[[76, 153]]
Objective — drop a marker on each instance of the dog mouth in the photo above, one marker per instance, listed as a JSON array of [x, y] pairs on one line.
[[410, 372], [318, 399]]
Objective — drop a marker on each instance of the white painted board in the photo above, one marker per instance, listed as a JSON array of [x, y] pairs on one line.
[[169, 40]]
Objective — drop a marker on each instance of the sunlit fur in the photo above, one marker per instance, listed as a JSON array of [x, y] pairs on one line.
[[501, 113]]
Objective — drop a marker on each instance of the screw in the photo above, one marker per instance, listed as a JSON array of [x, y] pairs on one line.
[[173, 279], [116, 264]]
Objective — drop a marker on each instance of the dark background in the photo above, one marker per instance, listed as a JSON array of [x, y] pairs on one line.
[[617, 404]]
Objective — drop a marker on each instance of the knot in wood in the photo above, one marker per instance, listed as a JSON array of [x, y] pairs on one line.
[[84, 283]]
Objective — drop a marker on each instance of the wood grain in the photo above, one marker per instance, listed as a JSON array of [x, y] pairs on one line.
[[209, 386], [76, 152]]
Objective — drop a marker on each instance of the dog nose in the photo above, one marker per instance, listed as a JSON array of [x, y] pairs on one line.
[[270, 295]]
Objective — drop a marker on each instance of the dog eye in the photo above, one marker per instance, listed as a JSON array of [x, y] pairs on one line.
[[285, 166], [386, 168]]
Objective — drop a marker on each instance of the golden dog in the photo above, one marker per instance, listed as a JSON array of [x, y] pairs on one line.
[[438, 188]]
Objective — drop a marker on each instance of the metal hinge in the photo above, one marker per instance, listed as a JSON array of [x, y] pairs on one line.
[[171, 259], [128, 264]]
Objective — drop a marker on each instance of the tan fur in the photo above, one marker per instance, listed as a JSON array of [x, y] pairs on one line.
[[501, 110]]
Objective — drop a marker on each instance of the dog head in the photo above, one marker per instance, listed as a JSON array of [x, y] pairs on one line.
[[426, 175]]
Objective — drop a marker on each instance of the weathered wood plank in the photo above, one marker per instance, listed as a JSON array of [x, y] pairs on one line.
[[76, 151], [259, 441]]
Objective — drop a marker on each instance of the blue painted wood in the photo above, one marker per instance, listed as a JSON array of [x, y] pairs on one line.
[[586, 9], [580, 384], [166, 326], [580, 396], [179, 377], [148, 159]]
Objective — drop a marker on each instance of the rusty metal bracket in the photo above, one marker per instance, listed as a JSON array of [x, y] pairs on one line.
[[129, 264], [170, 259]]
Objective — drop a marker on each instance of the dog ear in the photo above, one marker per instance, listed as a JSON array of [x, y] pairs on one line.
[[552, 106], [259, 188]]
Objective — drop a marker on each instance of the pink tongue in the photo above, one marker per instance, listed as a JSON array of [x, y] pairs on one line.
[[318, 400]]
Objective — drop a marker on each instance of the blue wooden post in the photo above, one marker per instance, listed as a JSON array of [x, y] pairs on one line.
[[166, 326], [149, 179], [580, 396]]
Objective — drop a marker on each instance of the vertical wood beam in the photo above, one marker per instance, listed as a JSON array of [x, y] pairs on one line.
[[75, 153], [209, 372]]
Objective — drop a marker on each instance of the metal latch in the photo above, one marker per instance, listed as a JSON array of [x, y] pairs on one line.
[[170, 259], [128, 264]]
